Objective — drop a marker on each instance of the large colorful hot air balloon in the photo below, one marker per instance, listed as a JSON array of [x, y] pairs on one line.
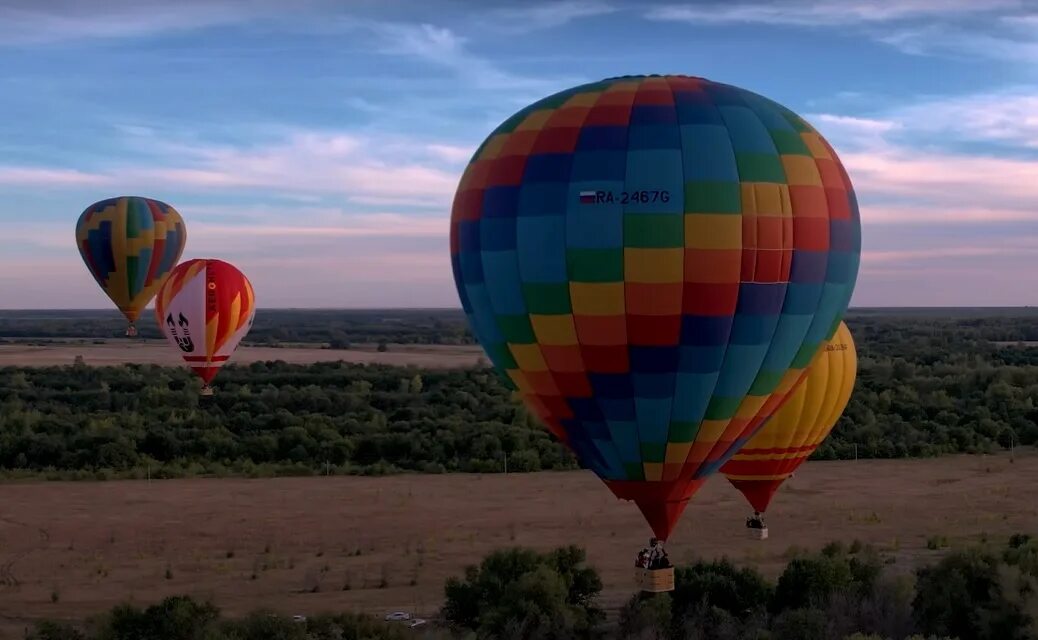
[[793, 433], [205, 309], [652, 262], [130, 245]]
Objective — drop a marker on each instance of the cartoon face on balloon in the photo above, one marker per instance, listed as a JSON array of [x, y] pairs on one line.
[[652, 262]]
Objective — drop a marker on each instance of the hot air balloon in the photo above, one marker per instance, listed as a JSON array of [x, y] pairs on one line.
[[205, 309], [652, 262], [793, 433], [130, 244]]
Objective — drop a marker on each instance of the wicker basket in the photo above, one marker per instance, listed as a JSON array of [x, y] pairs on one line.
[[655, 580]]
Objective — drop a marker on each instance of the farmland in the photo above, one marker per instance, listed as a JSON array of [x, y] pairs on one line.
[[117, 351], [294, 544]]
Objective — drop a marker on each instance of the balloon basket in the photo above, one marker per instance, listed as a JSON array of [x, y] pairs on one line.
[[206, 391], [131, 331], [759, 534], [654, 580]]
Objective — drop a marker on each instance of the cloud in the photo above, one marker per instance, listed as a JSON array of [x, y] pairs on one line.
[[962, 43], [451, 153], [315, 162], [363, 169], [969, 29], [870, 258], [549, 15], [1009, 116], [935, 214], [30, 22], [442, 47], [812, 13], [911, 165], [970, 181], [50, 177], [376, 225], [862, 131]]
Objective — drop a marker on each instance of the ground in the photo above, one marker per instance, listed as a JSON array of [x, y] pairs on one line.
[[294, 544], [115, 352]]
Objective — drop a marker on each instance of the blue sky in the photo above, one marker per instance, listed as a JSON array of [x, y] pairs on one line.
[[317, 144]]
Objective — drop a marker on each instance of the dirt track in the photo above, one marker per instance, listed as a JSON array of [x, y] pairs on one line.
[[116, 352], [95, 544]]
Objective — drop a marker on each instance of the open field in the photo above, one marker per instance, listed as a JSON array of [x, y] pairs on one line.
[[116, 352], [269, 543]]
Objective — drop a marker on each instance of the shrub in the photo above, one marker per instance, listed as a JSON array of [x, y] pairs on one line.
[[525, 593], [738, 591], [972, 594]]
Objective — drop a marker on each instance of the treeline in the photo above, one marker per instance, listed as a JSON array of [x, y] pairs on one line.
[[336, 328], [926, 386], [889, 331], [851, 593], [930, 384], [265, 419], [841, 593]]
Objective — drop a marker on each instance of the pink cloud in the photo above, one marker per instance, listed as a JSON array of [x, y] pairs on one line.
[[972, 181], [936, 214], [48, 177]]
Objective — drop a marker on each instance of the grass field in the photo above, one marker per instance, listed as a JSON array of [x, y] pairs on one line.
[[293, 544], [116, 352]]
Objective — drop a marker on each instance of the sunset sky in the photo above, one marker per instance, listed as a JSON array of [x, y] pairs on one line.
[[317, 144]]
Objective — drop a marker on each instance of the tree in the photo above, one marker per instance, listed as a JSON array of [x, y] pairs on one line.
[[738, 591], [526, 594], [972, 594]]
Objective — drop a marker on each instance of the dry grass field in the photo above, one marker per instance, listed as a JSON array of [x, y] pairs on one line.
[[116, 352], [295, 544]]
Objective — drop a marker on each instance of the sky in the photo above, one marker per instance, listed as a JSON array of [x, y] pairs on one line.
[[317, 144]]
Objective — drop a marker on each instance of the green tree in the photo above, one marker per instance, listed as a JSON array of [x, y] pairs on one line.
[[972, 594], [540, 595], [738, 591]]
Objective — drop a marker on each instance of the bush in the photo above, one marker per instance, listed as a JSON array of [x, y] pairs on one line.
[[175, 618], [720, 584], [800, 624], [181, 618], [974, 595], [526, 594], [48, 630], [647, 617]]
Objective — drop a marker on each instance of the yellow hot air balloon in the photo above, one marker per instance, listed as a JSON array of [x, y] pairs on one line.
[[793, 433]]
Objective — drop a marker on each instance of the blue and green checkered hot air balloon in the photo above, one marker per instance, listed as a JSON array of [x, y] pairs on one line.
[[652, 262]]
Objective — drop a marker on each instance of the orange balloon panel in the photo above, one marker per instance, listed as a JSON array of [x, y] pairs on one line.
[[789, 438], [205, 309]]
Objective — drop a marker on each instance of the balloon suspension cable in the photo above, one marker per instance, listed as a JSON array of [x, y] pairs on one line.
[[131, 331], [206, 390]]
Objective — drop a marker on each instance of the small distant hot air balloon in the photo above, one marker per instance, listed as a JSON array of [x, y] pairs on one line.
[[130, 244], [205, 309], [652, 261], [793, 433]]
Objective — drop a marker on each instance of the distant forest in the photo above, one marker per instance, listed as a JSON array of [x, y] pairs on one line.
[[336, 328], [929, 383]]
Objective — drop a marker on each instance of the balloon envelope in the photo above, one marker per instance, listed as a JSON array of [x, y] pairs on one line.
[[205, 309], [130, 244], [793, 433], [652, 262]]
